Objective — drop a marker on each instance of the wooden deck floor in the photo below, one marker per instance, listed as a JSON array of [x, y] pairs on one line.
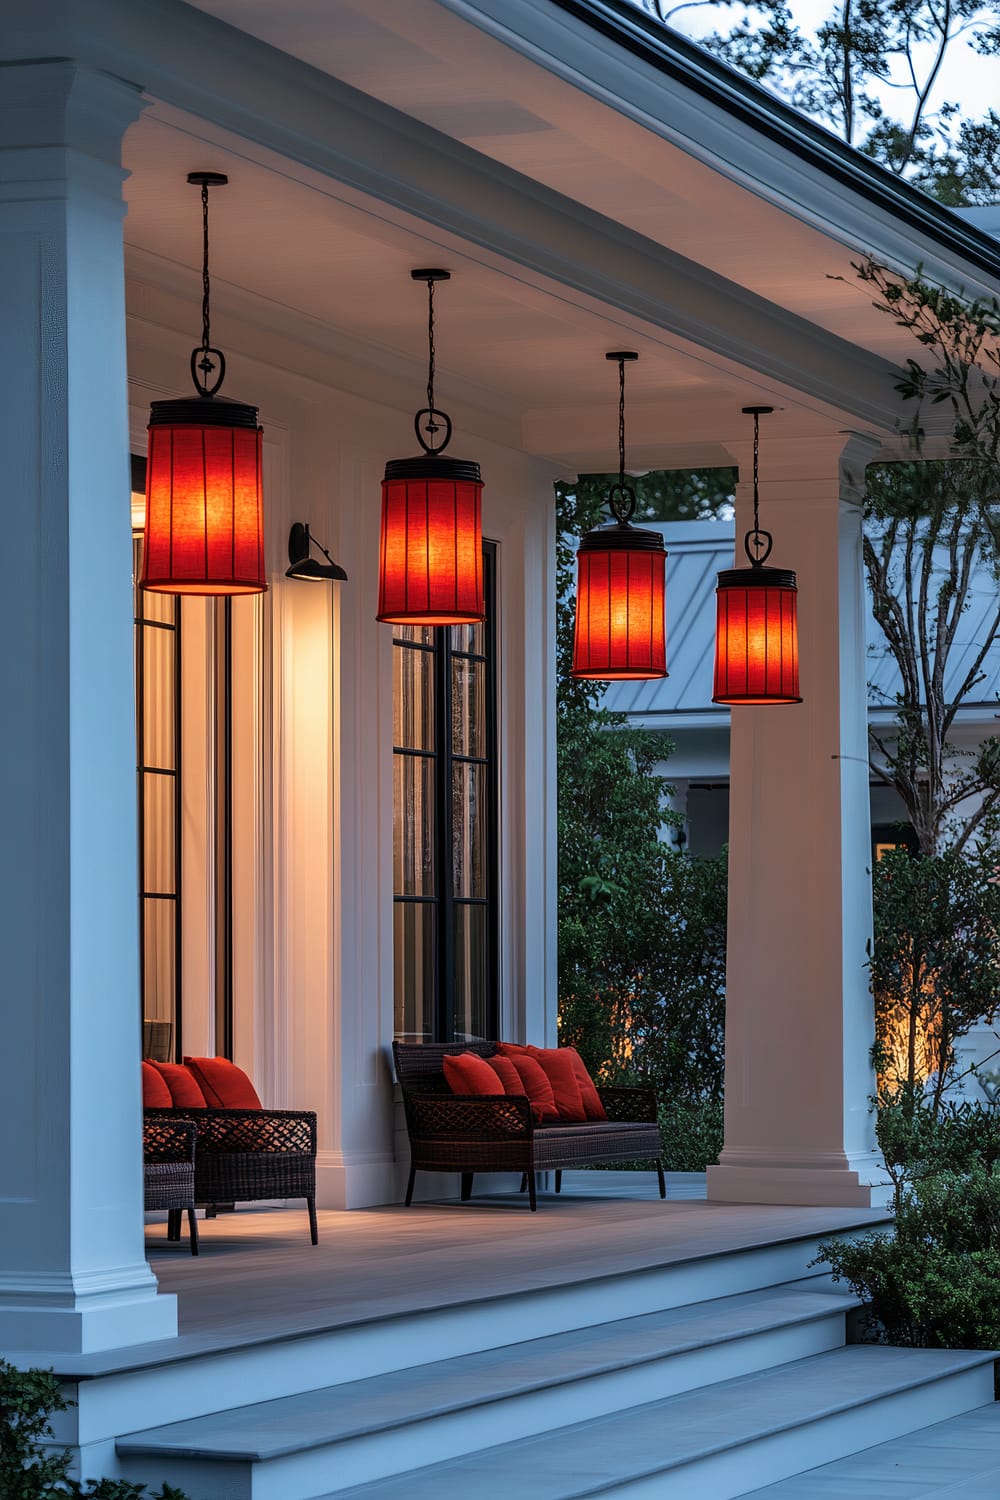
[[258, 1275]]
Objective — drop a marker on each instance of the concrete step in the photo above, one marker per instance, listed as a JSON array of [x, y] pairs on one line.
[[954, 1460], [721, 1441], [118, 1392], [287, 1449]]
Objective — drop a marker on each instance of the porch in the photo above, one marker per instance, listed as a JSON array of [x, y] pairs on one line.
[[609, 1338]]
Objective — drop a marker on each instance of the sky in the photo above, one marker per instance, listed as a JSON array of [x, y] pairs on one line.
[[971, 81]]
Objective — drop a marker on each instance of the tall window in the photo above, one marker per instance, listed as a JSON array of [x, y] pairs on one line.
[[445, 827], [158, 723]]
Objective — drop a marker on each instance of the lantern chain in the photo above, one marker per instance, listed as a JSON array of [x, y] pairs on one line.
[[621, 496], [757, 543], [206, 360], [432, 426], [430, 421]]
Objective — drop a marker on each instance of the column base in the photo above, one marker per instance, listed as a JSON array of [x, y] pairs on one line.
[[363, 1179], [810, 1186], [46, 1315]]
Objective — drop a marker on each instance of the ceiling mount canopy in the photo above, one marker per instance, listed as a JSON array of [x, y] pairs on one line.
[[431, 550], [757, 626], [204, 489], [620, 631]]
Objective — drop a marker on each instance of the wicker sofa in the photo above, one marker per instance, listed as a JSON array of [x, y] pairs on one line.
[[469, 1133], [244, 1155]]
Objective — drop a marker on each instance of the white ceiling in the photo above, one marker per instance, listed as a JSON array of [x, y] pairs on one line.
[[313, 253]]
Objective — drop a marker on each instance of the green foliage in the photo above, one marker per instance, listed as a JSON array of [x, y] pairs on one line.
[[30, 1469], [842, 75], [932, 1284], [641, 926], [934, 963], [930, 531], [691, 1131]]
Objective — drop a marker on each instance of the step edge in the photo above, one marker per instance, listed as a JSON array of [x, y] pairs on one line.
[[138, 1443]]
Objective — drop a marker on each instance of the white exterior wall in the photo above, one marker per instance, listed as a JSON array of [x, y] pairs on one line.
[[313, 981]]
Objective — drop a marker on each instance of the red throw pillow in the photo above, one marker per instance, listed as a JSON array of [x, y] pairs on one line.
[[155, 1094], [511, 1049], [224, 1085], [470, 1074], [536, 1086], [185, 1090], [558, 1068], [507, 1074], [592, 1106]]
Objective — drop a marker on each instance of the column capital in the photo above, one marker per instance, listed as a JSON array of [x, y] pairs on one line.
[[792, 458], [59, 105]]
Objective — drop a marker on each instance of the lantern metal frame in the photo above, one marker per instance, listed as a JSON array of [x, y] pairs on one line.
[[206, 409], [757, 544], [432, 465], [620, 535]]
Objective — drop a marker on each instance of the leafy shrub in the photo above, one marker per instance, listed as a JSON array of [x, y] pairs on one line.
[[933, 1282], [691, 1130], [30, 1469]]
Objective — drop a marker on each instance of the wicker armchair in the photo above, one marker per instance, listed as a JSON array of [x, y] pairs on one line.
[[244, 1155], [168, 1172], [469, 1133]]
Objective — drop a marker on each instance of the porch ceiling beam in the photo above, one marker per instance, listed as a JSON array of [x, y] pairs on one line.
[[201, 65]]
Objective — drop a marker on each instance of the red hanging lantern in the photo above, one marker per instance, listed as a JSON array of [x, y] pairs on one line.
[[620, 629], [757, 633], [204, 491], [431, 548]]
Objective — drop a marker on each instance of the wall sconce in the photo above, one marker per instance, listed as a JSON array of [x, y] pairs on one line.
[[301, 565]]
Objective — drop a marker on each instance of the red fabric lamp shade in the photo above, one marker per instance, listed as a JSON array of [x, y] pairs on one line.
[[757, 637], [204, 499], [431, 554], [620, 629]]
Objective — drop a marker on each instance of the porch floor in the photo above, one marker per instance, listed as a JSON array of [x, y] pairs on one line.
[[258, 1278]]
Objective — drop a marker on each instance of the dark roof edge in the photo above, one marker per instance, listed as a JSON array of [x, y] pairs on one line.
[[687, 63]]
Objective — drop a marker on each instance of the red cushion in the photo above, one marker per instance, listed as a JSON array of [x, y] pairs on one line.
[[511, 1049], [155, 1094], [592, 1106], [224, 1085], [184, 1088], [536, 1086], [507, 1074], [558, 1068], [470, 1074]]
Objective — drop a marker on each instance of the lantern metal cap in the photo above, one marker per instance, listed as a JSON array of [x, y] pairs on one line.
[[434, 466], [202, 411], [620, 536], [307, 568], [758, 577]]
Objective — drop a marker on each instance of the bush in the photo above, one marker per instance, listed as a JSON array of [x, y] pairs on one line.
[[29, 1468], [933, 1282], [691, 1130]]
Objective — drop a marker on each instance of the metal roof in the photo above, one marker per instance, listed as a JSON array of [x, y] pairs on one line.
[[697, 550]]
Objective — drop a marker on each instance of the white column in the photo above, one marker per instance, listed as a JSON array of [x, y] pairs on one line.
[[72, 1272], [799, 1020]]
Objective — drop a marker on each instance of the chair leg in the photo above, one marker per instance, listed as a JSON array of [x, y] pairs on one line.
[[173, 1223], [524, 1183], [467, 1186], [193, 1230], [559, 1179], [313, 1226], [663, 1180], [409, 1186], [533, 1201]]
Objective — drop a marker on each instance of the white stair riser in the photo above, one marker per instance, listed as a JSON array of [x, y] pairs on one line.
[[739, 1471], [434, 1439], [110, 1405]]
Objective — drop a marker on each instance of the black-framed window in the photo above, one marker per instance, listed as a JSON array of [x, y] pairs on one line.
[[445, 833], [158, 790]]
